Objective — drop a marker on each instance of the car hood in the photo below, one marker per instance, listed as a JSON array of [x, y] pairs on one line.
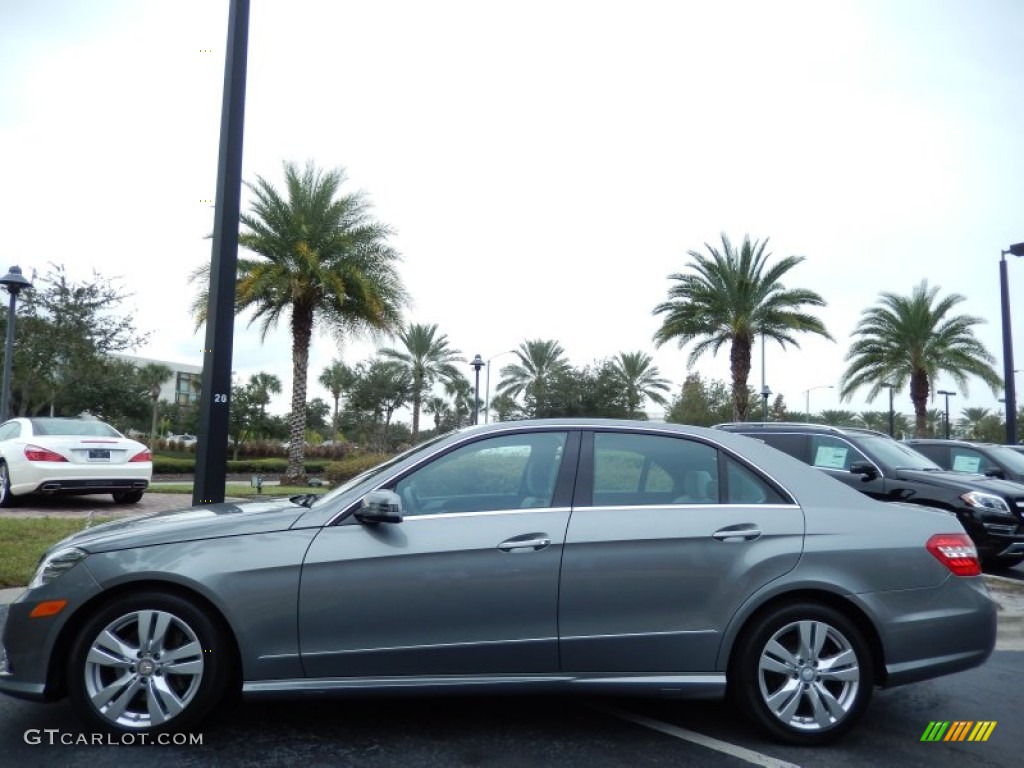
[[964, 481], [191, 524]]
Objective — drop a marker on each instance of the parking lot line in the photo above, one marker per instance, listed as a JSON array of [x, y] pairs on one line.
[[748, 755]]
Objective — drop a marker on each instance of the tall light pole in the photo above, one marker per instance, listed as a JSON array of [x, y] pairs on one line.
[[807, 398], [948, 395], [15, 283], [477, 364], [1017, 249], [892, 413], [487, 393]]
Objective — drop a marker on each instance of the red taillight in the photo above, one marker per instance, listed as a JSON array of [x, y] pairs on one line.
[[957, 552], [35, 453], [142, 456]]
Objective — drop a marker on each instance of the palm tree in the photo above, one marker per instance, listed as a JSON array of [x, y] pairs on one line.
[[875, 420], [933, 421], [438, 407], [971, 420], [539, 363], [428, 358], [337, 378], [912, 339], [262, 385], [152, 377], [634, 372], [839, 418], [462, 394], [730, 297], [319, 260]]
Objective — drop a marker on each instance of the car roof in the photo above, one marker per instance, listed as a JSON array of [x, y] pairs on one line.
[[795, 426]]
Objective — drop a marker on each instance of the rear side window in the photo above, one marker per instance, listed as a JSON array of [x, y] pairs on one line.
[[794, 445], [744, 487], [649, 470], [832, 453], [937, 453]]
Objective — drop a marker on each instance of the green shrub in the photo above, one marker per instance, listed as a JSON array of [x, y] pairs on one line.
[[340, 471], [169, 465]]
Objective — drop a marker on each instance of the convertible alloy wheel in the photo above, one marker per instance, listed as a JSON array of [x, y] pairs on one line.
[[147, 664], [805, 674], [6, 499]]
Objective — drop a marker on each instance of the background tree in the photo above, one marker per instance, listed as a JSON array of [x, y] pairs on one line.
[[428, 358], [261, 386], [971, 421], [461, 391], [381, 388], [152, 376], [593, 391], [67, 332], [243, 414], [876, 420], [639, 378], [700, 403], [730, 297], [911, 340], [839, 418], [540, 361], [337, 378], [319, 259], [438, 407]]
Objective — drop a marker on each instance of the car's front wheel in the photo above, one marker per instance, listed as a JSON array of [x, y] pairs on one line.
[[147, 662], [127, 497], [803, 672]]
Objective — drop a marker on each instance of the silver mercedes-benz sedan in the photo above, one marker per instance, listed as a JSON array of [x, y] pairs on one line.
[[567, 555]]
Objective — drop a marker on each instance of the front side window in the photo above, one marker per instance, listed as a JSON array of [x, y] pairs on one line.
[[646, 470], [492, 474]]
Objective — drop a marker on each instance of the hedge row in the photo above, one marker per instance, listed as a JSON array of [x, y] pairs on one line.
[[165, 465], [340, 471]]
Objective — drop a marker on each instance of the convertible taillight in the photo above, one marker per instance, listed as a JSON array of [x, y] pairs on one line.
[[957, 552], [35, 453], [141, 456]]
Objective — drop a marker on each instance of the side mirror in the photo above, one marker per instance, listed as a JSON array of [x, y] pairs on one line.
[[865, 468], [995, 472], [380, 507]]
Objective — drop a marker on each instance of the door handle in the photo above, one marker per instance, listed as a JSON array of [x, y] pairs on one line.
[[533, 542], [741, 532]]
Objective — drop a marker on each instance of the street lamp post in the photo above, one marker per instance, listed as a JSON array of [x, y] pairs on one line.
[[14, 282], [487, 391], [765, 394], [1017, 249], [478, 363], [892, 413], [948, 395], [807, 398]]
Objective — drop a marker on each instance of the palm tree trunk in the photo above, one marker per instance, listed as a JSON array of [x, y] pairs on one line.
[[739, 357], [152, 426], [302, 333], [334, 424], [919, 396], [417, 394]]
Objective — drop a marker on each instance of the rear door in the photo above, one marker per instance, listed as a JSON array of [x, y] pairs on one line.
[[668, 537]]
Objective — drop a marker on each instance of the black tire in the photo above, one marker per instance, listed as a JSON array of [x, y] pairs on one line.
[[802, 696], [198, 679], [6, 499], [127, 497]]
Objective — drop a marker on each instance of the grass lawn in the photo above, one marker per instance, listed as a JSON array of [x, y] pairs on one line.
[[23, 541], [240, 490]]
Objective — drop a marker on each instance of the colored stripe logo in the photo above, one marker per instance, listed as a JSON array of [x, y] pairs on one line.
[[958, 730]]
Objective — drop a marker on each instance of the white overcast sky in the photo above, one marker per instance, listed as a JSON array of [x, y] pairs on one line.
[[546, 165]]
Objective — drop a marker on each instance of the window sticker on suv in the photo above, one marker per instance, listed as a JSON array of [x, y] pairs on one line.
[[963, 463], [830, 456]]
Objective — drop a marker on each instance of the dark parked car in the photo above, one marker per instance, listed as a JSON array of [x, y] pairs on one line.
[[984, 458], [991, 510], [564, 555]]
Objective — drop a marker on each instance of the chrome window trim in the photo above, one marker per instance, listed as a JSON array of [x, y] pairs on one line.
[[485, 513], [686, 506]]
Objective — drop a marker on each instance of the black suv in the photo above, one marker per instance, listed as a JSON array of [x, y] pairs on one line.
[[991, 510], [961, 456]]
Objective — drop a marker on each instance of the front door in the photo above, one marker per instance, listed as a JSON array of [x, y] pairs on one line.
[[466, 584]]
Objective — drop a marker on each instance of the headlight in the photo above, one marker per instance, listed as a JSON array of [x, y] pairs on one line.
[[55, 564], [986, 501]]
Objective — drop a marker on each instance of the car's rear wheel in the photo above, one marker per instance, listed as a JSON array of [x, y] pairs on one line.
[[6, 500], [146, 663], [803, 672], [127, 497]]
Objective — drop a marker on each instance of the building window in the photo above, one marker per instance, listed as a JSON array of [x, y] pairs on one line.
[[187, 388]]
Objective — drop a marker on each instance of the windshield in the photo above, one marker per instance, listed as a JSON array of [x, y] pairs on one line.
[[895, 454], [374, 471], [1013, 460]]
